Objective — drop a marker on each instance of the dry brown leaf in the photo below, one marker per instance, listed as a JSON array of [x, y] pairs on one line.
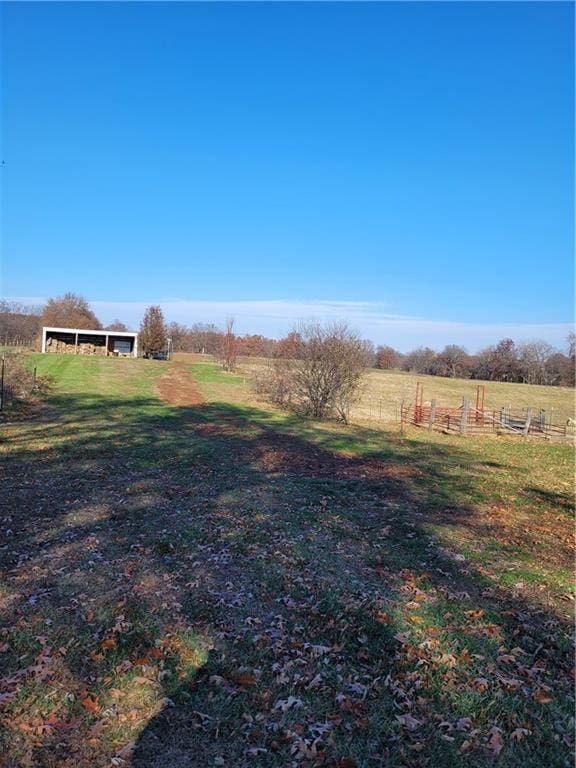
[[496, 742], [477, 613], [126, 750], [245, 678], [97, 728], [481, 684], [542, 696], [139, 680], [90, 704], [409, 722]]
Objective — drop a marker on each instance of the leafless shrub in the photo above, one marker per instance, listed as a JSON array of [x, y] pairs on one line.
[[18, 378], [276, 383], [228, 351], [323, 378]]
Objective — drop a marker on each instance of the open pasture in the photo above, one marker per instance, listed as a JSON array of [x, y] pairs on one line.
[[384, 391]]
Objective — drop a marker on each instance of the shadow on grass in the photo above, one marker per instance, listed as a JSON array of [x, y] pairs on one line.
[[219, 585]]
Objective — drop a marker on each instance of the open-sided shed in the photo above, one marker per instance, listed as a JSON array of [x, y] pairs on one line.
[[79, 341]]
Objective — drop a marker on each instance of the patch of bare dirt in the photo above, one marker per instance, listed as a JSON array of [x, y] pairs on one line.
[[177, 387]]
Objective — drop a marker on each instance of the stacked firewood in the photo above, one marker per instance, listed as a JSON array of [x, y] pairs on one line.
[[62, 347]]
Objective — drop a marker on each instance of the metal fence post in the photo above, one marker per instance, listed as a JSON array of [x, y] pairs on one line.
[[464, 419], [432, 418], [528, 421]]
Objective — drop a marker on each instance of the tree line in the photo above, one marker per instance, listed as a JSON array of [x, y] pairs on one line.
[[533, 362], [530, 362]]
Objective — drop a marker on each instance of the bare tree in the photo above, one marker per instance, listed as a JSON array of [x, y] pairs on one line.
[[70, 311], [560, 370], [152, 336], [453, 361], [420, 360], [532, 358], [387, 357], [571, 377], [19, 324], [180, 337], [229, 346], [571, 342], [289, 347], [116, 325], [322, 379]]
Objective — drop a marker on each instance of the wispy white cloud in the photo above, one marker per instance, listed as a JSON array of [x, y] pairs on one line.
[[275, 317]]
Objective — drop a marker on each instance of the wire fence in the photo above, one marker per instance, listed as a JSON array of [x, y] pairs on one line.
[[7, 340]]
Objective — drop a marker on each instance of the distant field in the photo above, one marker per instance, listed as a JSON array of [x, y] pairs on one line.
[[391, 387], [384, 391]]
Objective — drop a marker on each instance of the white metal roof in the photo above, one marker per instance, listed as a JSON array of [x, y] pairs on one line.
[[84, 332]]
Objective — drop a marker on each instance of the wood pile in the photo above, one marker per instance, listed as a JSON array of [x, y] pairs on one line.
[[61, 347]]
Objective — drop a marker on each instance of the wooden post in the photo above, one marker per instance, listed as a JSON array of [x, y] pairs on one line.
[[402, 417], [480, 403], [2, 383], [528, 420], [432, 418], [464, 419], [418, 403]]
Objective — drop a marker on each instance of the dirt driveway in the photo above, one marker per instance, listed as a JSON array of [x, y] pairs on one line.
[[177, 386]]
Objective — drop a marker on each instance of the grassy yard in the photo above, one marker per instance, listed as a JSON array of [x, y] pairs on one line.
[[223, 584]]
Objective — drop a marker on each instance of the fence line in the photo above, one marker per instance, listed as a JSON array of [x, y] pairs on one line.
[[12, 341], [467, 420]]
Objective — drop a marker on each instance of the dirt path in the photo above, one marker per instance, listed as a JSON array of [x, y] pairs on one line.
[[177, 386]]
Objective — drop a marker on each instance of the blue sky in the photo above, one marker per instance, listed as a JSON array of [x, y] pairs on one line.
[[409, 166]]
